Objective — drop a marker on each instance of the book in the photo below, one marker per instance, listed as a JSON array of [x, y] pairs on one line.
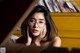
[[66, 6], [60, 4], [76, 6], [70, 5], [48, 4], [55, 6]]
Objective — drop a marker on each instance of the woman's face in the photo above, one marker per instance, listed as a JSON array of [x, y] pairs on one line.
[[37, 23]]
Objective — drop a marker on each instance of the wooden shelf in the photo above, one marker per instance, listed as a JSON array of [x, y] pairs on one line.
[[66, 21], [68, 25], [65, 14]]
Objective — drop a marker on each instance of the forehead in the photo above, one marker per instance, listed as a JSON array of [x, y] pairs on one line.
[[38, 15]]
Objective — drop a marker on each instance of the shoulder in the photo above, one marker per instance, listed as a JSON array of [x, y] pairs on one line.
[[57, 41], [57, 38]]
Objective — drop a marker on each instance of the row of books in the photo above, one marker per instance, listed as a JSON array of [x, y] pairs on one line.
[[60, 5]]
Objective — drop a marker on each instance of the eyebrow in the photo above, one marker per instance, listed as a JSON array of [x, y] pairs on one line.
[[39, 19]]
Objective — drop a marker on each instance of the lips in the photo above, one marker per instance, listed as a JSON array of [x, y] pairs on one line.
[[35, 30]]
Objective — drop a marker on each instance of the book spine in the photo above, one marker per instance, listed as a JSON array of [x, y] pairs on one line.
[[55, 6], [60, 5], [76, 6], [70, 5], [48, 5]]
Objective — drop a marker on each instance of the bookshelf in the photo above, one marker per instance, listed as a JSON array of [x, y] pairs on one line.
[[68, 27]]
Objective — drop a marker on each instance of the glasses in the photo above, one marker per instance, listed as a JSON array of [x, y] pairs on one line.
[[39, 23]]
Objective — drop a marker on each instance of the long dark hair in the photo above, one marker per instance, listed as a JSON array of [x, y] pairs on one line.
[[51, 29]]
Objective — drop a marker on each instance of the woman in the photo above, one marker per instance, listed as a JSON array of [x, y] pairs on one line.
[[38, 29]]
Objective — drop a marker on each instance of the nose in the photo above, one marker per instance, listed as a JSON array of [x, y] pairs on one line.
[[35, 25]]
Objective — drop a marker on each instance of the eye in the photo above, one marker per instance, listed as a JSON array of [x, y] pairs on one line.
[[41, 22], [32, 20]]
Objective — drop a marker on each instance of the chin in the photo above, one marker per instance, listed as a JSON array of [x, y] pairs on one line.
[[36, 34]]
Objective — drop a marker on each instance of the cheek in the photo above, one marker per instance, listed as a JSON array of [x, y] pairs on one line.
[[42, 28], [30, 25], [42, 25]]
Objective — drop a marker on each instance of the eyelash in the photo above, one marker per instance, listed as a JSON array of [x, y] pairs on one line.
[[40, 22], [34, 21]]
